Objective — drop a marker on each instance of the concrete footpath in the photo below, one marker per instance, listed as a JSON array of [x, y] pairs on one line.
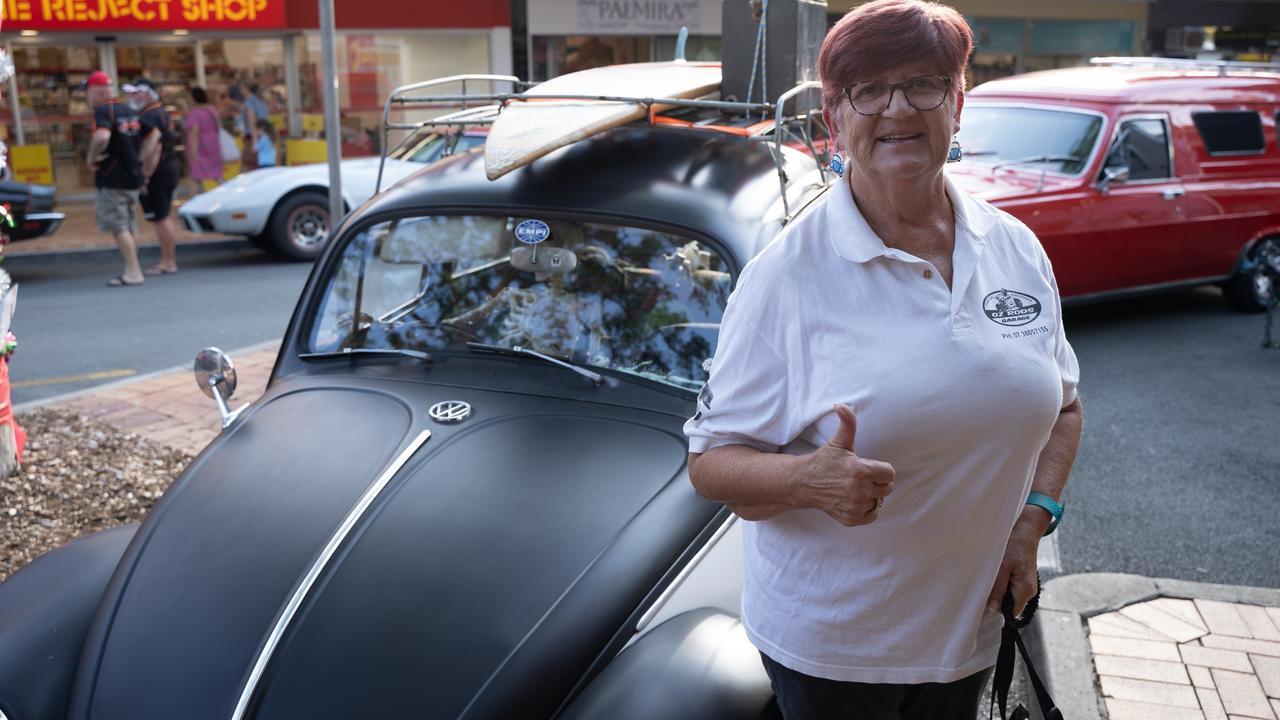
[[1113, 646], [79, 231]]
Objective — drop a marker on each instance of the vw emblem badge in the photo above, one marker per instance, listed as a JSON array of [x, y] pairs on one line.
[[450, 411]]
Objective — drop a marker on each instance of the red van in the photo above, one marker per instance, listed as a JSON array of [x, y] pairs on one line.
[[1136, 173]]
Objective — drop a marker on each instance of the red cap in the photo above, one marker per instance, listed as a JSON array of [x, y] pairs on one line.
[[97, 77]]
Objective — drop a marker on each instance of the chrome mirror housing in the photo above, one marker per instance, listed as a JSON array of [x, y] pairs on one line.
[[216, 377], [1113, 174]]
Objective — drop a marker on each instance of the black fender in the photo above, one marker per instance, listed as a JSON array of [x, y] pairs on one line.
[[45, 611], [698, 665]]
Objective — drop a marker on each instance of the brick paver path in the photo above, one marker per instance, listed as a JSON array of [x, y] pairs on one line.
[[1168, 659], [169, 408]]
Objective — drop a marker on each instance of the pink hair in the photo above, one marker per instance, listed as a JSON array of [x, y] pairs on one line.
[[883, 34]]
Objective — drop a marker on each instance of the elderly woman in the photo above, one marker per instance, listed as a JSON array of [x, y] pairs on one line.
[[893, 403]]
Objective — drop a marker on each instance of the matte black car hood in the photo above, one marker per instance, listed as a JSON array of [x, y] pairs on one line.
[[484, 581]]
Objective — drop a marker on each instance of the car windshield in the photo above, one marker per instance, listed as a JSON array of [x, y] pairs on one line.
[[1059, 141], [427, 146], [635, 300]]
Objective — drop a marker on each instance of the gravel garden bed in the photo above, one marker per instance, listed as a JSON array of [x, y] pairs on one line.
[[78, 477]]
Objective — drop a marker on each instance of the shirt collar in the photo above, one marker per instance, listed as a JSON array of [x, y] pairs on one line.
[[854, 240]]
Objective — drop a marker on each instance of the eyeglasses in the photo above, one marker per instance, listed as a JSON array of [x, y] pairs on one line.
[[873, 97]]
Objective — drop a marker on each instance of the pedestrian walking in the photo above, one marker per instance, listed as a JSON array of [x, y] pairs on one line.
[[117, 171], [897, 446], [204, 152], [266, 147], [159, 170], [252, 110]]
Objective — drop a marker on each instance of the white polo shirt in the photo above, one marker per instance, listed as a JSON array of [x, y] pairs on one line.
[[957, 388]]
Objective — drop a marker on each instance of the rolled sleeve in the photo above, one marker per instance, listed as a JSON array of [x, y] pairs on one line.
[[744, 402]]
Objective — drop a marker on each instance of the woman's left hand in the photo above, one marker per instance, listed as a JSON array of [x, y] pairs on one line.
[[1018, 568]]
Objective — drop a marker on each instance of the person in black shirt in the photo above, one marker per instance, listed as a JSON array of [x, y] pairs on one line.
[[117, 172], [159, 169]]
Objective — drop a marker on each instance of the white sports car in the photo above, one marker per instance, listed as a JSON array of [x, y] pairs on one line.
[[285, 210]]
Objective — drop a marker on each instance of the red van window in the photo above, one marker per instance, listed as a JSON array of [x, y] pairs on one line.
[[1230, 132]]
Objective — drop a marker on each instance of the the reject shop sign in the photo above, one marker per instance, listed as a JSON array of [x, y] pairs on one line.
[[98, 15]]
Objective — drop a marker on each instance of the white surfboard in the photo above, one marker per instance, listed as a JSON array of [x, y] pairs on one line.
[[526, 130]]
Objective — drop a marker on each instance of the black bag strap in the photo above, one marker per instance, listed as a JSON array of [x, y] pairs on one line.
[[1011, 638]]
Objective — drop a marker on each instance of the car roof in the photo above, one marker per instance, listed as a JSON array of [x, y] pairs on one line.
[[1137, 84], [712, 183]]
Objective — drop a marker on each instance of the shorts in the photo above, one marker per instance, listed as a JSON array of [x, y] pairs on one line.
[[113, 209], [804, 697], [157, 201]]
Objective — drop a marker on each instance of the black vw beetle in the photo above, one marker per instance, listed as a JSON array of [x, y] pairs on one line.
[[464, 492]]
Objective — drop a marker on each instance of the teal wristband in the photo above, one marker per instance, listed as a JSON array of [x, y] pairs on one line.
[[1055, 509]]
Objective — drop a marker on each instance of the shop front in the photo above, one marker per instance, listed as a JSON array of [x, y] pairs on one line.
[[1017, 36], [229, 47], [569, 35]]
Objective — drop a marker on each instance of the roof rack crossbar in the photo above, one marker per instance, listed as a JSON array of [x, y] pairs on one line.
[[400, 92], [778, 118], [1222, 67], [485, 115]]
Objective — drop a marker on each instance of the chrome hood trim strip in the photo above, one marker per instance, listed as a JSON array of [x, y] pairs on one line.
[[308, 580]]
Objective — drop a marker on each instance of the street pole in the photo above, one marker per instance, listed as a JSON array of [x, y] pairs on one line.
[[15, 105], [332, 126]]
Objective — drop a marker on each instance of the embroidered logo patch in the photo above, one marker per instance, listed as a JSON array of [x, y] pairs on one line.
[[1010, 308]]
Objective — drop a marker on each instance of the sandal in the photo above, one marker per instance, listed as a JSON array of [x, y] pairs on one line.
[[153, 271], [121, 282]]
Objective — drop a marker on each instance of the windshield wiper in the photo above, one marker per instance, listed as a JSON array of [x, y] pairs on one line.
[[347, 352], [1036, 159], [526, 352]]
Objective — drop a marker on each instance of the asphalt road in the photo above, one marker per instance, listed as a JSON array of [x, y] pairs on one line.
[[1178, 474], [74, 332]]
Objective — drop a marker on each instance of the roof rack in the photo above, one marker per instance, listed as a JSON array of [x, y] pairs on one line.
[[797, 127], [1222, 67]]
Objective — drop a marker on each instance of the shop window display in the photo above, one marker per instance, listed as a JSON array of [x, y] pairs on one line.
[[371, 66], [54, 109]]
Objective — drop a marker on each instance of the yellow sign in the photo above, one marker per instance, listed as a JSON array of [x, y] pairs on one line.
[[312, 122], [278, 122], [303, 152], [96, 15], [31, 163]]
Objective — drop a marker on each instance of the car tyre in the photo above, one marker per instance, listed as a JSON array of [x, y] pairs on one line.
[[299, 225], [1251, 289]]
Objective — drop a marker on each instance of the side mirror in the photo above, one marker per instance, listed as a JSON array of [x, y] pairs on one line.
[[1119, 173], [216, 377]]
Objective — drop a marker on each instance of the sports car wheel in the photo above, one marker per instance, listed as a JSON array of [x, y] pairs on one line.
[[300, 225], [1251, 289]]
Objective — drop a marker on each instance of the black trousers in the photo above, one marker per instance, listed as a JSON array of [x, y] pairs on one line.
[[804, 697]]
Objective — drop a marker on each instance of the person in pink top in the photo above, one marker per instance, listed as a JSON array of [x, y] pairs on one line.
[[204, 153]]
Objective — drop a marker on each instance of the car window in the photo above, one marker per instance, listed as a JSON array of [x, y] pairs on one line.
[[1060, 141], [1142, 145], [630, 299], [1230, 132], [428, 146]]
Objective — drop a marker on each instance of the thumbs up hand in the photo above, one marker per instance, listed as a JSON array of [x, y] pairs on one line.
[[841, 484]]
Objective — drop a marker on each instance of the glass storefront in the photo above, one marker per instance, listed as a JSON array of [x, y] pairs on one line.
[[55, 112], [1007, 46], [370, 66], [54, 109]]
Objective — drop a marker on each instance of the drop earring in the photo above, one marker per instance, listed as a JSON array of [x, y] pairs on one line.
[[955, 153], [837, 164]]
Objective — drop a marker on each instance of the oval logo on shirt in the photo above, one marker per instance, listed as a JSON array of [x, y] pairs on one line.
[[1010, 308]]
